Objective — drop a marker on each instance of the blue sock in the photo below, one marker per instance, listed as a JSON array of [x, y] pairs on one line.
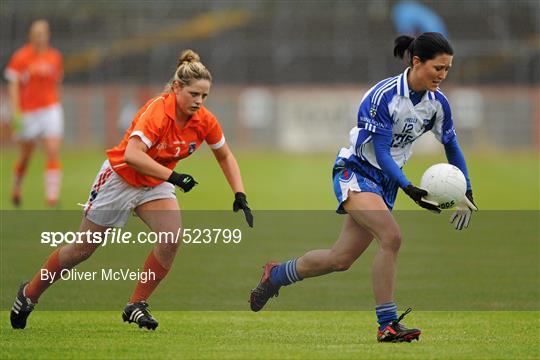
[[386, 313], [284, 274]]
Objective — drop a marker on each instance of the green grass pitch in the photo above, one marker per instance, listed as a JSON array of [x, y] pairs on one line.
[[270, 335], [507, 273], [276, 181]]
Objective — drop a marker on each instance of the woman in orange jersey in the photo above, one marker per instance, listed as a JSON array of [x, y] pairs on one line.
[[138, 176], [34, 73]]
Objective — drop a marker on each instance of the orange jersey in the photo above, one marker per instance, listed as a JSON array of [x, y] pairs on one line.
[[155, 124], [38, 74]]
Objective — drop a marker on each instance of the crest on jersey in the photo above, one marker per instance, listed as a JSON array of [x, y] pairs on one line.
[[373, 111], [192, 147], [345, 176]]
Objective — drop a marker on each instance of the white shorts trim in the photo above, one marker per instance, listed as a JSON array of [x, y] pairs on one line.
[[112, 199], [346, 186]]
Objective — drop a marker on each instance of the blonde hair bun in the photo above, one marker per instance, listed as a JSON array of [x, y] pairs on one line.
[[190, 68], [188, 56]]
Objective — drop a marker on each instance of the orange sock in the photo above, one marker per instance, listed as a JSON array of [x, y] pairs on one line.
[[37, 286], [156, 272], [53, 179]]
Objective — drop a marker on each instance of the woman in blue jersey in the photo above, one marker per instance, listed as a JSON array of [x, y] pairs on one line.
[[367, 175]]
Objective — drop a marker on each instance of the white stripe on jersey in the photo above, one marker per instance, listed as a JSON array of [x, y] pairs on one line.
[[405, 84], [383, 82], [143, 138], [219, 144], [441, 93], [377, 96], [384, 85], [381, 95], [370, 128]]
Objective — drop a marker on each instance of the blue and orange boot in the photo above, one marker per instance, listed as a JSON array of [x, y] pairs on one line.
[[396, 332]]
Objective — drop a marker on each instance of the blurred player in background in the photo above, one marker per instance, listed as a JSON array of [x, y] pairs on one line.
[[393, 114], [34, 74], [138, 176]]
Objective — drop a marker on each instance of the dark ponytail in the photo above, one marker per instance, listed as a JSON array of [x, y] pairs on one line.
[[426, 46], [401, 44]]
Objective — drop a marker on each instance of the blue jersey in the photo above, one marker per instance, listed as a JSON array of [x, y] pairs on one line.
[[387, 110], [388, 113]]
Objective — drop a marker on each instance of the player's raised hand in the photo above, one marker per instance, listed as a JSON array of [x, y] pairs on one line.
[[240, 202], [418, 194], [184, 181], [462, 216]]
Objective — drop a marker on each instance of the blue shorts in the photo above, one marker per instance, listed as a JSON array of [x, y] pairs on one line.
[[353, 174]]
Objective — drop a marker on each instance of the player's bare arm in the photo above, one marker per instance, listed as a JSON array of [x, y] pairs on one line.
[[136, 157], [230, 168]]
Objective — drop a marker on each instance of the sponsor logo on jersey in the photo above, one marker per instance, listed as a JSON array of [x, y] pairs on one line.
[[372, 122]]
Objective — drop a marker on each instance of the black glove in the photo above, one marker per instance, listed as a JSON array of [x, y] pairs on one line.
[[417, 194], [240, 202], [184, 181]]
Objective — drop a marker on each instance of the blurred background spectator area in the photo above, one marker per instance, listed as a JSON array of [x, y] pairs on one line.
[[287, 74]]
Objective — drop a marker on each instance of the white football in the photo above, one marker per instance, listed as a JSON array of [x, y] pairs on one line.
[[445, 184]]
